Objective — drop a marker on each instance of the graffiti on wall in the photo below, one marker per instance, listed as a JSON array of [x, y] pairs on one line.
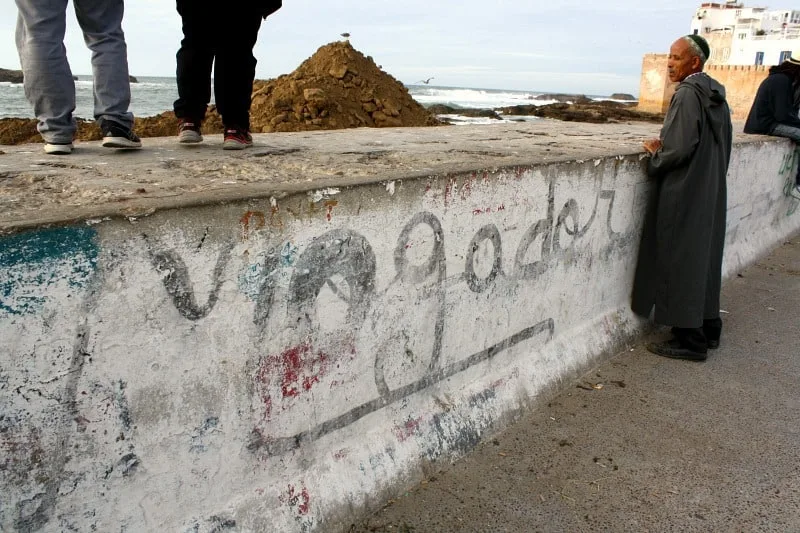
[[344, 262]]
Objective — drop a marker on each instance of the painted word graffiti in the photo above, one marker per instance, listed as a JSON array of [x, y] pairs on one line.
[[346, 255]]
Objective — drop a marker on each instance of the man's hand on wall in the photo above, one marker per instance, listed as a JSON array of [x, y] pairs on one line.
[[652, 145]]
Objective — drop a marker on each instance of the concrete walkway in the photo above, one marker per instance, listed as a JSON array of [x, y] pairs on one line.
[[645, 443]]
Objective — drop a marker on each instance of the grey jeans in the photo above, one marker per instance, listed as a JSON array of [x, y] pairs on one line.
[[790, 132], [49, 86]]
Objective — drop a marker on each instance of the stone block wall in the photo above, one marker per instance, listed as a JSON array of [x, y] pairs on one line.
[[741, 83]]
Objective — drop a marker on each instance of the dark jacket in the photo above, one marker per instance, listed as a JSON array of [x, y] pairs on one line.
[[774, 104], [680, 259], [268, 7]]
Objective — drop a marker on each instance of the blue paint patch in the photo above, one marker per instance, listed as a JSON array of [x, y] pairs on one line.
[[32, 262], [288, 254], [251, 278]]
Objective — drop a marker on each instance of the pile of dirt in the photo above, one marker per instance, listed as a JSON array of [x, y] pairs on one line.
[[595, 112], [337, 87]]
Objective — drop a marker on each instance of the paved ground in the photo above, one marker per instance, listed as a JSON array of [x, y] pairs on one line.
[[645, 443]]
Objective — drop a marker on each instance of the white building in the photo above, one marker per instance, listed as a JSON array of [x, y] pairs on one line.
[[740, 35]]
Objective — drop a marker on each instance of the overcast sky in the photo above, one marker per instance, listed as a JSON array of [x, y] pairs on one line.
[[569, 45]]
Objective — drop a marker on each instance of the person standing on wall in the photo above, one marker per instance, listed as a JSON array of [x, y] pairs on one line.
[[679, 273], [775, 108], [225, 37], [48, 82]]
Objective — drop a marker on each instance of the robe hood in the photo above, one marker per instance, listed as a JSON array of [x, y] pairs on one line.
[[712, 98]]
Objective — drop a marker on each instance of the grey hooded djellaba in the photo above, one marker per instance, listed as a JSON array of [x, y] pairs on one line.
[[680, 259]]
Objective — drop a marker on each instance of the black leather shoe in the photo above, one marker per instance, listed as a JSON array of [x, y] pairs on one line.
[[713, 344], [674, 350]]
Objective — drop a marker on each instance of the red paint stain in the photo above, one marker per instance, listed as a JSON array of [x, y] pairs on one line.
[[520, 171], [329, 205], [501, 207], [275, 220], [428, 187], [408, 429], [246, 219], [466, 190], [448, 190], [341, 454], [299, 500], [299, 368]]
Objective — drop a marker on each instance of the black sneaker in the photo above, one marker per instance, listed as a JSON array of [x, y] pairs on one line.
[[236, 139], [115, 135], [675, 350], [189, 131]]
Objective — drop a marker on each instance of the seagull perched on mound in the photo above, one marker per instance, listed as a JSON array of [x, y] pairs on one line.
[[345, 35], [426, 82]]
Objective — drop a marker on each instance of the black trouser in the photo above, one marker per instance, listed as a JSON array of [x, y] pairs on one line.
[[697, 338], [223, 35]]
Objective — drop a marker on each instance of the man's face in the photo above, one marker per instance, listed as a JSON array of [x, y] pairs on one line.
[[682, 61]]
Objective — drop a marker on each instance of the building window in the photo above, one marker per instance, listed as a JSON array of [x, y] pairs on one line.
[[695, 32], [759, 58], [784, 56]]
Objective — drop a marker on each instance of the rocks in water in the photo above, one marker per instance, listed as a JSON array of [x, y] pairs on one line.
[[564, 98], [623, 96], [595, 112], [11, 76], [133, 79], [441, 109]]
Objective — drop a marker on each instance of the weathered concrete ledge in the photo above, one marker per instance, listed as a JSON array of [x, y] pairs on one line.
[[95, 182], [279, 339]]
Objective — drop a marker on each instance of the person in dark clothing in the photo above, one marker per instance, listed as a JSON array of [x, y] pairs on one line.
[[679, 273], [224, 38], [775, 108]]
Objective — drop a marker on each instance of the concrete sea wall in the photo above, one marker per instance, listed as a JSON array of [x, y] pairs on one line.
[[284, 364]]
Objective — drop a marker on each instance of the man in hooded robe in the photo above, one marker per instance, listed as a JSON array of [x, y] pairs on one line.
[[678, 276]]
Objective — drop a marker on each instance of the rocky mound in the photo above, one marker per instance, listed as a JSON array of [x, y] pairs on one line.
[[622, 96], [337, 87], [596, 112]]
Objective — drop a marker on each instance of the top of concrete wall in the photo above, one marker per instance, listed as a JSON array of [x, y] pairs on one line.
[[93, 182]]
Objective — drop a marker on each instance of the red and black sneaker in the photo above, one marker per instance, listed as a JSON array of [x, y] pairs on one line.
[[189, 131], [237, 139]]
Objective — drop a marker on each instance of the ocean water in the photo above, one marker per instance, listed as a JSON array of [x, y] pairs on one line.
[[149, 97], [154, 95]]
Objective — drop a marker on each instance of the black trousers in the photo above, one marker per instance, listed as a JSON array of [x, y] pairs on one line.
[[223, 36]]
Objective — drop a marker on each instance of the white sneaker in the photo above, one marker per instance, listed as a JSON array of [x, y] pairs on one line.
[[58, 148]]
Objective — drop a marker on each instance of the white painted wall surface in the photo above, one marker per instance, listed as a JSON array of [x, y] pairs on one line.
[[281, 367]]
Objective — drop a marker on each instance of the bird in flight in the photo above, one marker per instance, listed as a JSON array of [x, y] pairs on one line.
[[426, 82]]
